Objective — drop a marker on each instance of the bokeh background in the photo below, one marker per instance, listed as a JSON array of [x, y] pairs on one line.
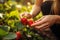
[[10, 23]]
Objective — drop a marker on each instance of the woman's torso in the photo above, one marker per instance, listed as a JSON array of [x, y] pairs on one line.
[[46, 7]]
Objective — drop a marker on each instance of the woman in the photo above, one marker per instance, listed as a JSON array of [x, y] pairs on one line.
[[50, 21], [51, 18]]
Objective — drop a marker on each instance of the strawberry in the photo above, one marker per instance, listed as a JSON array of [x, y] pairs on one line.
[[18, 35], [30, 22], [24, 21]]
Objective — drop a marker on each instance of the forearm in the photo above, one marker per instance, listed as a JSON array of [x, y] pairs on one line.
[[35, 10]]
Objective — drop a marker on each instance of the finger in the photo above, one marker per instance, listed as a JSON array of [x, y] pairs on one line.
[[40, 19], [45, 31], [46, 28], [22, 14], [39, 22], [42, 26]]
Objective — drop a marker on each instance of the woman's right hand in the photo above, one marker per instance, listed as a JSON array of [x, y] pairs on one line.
[[25, 14]]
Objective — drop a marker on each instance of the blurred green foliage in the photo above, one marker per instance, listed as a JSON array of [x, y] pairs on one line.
[[11, 20]]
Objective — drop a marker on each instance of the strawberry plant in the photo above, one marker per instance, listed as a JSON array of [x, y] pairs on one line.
[[12, 27]]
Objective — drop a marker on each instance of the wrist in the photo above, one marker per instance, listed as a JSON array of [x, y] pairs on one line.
[[57, 19], [35, 10]]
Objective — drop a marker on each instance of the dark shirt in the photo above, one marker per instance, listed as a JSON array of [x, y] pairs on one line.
[[46, 10]]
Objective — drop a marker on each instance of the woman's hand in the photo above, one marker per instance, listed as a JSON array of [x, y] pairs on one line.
[[25, 14], [45, 22]]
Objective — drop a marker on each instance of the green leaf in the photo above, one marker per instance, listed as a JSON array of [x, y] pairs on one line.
[[3, 32], [10, 36], [5, 28], [19, 25]]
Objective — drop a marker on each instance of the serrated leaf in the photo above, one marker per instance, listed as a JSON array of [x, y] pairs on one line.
[[10, 36]]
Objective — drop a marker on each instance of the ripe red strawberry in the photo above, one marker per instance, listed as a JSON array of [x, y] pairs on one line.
[[24, 21], [18, 35], [30, 22]]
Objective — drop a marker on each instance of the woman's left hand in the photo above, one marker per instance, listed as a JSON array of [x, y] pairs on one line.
[[45, 22]]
